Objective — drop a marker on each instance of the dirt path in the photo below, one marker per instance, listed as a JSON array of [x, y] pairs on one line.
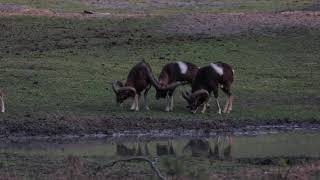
[[233, 23], [11, 9], [194, 23]]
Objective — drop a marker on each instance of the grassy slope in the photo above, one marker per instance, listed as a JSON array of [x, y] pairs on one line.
[[63, 66]]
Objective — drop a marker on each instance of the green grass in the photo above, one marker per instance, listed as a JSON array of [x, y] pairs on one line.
[[181, 6], [64, 66]]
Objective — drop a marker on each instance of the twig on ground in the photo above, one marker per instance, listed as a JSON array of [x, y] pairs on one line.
[[88, 12], [151, 163]]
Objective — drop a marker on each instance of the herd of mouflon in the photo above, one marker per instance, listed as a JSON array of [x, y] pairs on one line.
[[203, 81]]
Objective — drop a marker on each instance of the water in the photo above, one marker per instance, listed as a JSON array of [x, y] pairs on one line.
[[192, 156], [221, 146]]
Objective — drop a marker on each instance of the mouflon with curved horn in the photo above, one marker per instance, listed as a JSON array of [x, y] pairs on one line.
[[207, 80], [173, 75], [139, 79]]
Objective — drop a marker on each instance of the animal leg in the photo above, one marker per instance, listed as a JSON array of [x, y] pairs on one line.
[[133, 106], [204, 108], [218, 105], [137, 102], [167, 103], [171, 103], [2, 104], [215, 93], [208, 103], [145, 98], [230, 104], [225, 109], [194, 111]]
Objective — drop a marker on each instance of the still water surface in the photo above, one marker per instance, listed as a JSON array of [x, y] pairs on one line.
[[223, 146]]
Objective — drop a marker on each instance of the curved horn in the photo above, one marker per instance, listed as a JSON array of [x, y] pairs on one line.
[[152, 78], [174, 85], [115, 86], [201, 91], [186, 95], [127, 88]]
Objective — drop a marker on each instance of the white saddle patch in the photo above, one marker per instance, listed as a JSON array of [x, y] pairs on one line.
[[183, 67], [217, 68]]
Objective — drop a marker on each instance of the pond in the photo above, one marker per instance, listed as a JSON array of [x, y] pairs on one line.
[[209, 153], [296, 143]]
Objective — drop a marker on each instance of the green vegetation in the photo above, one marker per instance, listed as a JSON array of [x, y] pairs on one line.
[[63, 66], [56, 73]]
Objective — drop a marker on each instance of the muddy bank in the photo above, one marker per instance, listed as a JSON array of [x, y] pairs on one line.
[[107, 126]]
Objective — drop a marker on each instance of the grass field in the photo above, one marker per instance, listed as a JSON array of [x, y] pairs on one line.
[[58, 66], [53, 67], [57, 74]]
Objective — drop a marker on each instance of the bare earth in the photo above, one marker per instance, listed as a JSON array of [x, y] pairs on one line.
[[233, 23], [193, 23]]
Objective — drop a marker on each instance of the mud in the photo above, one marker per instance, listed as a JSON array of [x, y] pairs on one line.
[[123, 126]]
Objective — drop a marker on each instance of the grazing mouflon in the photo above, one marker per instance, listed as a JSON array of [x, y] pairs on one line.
[[207, 80], [179, 71], [140, 78]]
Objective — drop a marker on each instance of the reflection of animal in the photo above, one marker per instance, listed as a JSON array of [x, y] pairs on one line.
[[165, 149], [220, 147], [227, 153], [171, 73], [123, 150], [146, 149], [198, 147], [207, 80], [2, 101], [139, 150], [162, 149], [140, 79]]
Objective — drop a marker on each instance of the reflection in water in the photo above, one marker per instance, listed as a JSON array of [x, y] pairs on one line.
[[222, 149], [165, 149], [146, 149], [139, 151], [162, 150], [218, 149], [176, 157], [198, 147], [123, 150]]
